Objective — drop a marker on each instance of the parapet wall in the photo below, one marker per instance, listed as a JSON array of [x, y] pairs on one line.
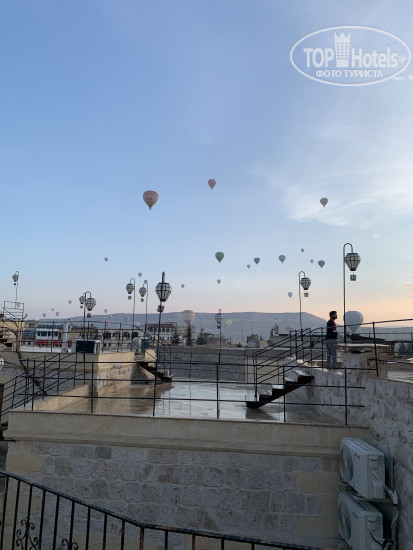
[[275, 481]]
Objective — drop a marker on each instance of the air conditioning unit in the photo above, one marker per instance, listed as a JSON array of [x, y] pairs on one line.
[[362, 467], [360, 524]]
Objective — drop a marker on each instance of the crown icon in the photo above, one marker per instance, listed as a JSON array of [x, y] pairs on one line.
[[342, 48]]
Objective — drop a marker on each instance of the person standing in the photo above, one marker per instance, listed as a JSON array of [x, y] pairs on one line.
[[331, 340]]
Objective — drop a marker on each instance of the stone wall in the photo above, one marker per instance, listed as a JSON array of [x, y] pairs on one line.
[[268, 480], [382, 405]]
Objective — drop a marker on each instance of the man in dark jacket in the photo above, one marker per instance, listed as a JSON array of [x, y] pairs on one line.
[[331, 340]]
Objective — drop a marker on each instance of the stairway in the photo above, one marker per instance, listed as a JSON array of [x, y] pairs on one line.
[[163, 375], [294, 380]]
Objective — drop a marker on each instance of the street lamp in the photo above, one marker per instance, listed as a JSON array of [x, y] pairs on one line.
[[15, 278], [89, 304], [304, 282], [218, 319], [130, 288], [352, 260], [142, 292], [163, 291]]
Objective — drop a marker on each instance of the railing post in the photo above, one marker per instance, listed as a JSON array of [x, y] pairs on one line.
[[375, 349], [92, 387], [33, 381]]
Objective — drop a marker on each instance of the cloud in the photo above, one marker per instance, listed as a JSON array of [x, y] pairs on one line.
[[405, 284]]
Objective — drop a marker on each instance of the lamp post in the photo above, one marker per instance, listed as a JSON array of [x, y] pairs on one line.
[[218, 319], [15, 278], [304, 282], [352, 260], [130, 289], [163, 291], [89, 304], [142, 292]]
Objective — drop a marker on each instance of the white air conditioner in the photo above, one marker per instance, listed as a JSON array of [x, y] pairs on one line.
[[358, 521], [362, 467]]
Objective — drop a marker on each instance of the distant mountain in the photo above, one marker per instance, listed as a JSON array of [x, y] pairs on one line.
[[243, 323]]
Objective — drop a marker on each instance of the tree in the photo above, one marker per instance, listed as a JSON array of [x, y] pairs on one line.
[[201, 340], [175, 341], [189, 339]]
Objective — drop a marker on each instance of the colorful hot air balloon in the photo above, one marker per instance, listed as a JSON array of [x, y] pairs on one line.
[[324, 201], [290, 294], [321, 263], [228, 322], [219, 281], [248, 265], [281, 258], [219, 256], [150, 198], [257, 260], [212, 183]]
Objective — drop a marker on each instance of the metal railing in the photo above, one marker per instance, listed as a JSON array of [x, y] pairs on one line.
[[38, 518]]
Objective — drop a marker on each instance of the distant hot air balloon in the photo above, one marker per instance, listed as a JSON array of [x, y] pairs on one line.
[[321, 263], [150, 198], [353, 320], [257, 260], [18, 304], [212, 183], [182, 286], [106, 259], [188, 316], [228, 322], [139, 274], [281, 258], [290, 294], [312, 261], [302, 250], [248, 265], [52, 308], [324, 201], [44, 314], [219, 256], [219, 281], [105, 311], [145, 281]]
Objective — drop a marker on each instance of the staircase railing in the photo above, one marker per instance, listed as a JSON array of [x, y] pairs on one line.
[[298, 348]]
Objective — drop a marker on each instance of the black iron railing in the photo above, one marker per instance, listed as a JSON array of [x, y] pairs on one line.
[[38, 518]]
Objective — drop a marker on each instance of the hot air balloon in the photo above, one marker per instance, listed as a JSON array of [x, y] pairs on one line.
[[105, 311], [150, 197], [228, 322], [44, 314], [353, 320], [248, 265], [212, 183], [18, 304], [302, 250], [290, 294], [311, 261], [324, 201], [52, 308], [106, 259], [219, 256], [182, 286], [257, 260], [145, 281], [219, 281], [281, 258], [139, 274], [321, 263], [188, 316]]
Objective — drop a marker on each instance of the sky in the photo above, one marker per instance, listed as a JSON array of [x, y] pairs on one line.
[[102, 100]]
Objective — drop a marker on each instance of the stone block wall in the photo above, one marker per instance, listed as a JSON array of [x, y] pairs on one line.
[[272, 481]]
